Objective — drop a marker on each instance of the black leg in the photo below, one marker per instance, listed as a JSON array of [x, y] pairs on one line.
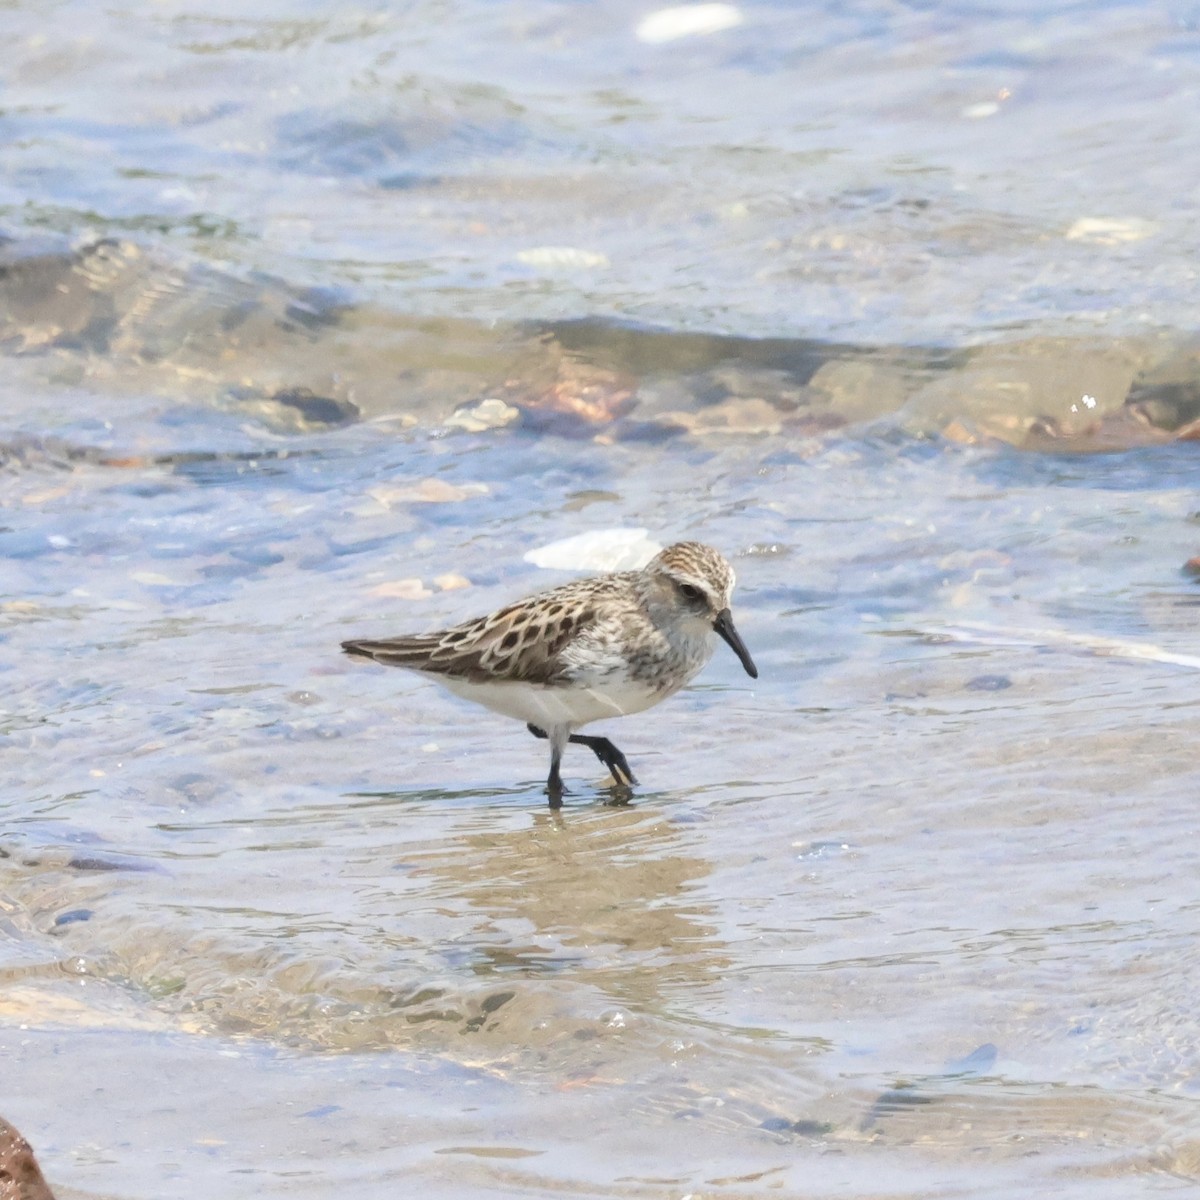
[[608, 754], [554, 785], [602, 748]]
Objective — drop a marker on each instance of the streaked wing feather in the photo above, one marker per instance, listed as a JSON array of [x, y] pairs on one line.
[[523, 641]]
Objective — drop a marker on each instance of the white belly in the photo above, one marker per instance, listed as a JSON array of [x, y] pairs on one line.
[[555, 707]]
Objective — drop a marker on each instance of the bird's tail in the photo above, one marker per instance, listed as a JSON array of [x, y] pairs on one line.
[[395, 652], [366, 649]]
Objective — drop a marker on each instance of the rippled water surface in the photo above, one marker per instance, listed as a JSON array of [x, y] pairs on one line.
[[315, 322]]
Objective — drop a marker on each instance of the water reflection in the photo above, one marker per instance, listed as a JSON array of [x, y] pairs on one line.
[[606, 889]]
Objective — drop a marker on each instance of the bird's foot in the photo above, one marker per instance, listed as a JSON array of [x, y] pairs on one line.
[[612, 758]]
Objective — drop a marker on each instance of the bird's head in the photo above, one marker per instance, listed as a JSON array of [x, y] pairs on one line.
[[698, 583]]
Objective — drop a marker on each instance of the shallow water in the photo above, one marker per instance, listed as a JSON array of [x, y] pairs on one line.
[[908, 915]]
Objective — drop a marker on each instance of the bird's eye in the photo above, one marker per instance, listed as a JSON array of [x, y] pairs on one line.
[[689, 591]]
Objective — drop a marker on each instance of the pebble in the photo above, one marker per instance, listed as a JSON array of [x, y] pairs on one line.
[[401, 589], [1109, 231], [491, 413], [426, 491], [559, 258]]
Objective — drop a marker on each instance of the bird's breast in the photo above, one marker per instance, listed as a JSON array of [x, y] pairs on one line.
[[549, 706]]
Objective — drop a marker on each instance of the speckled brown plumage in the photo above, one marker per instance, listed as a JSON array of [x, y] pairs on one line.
[[607, 646], [522, 641]]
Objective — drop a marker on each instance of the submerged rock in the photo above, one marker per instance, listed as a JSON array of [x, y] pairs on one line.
[[489, 413], [1064, 386], [860, 390]]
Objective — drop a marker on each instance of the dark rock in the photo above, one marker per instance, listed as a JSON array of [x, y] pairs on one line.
[[988, 683], [74, 916], [317, 410]]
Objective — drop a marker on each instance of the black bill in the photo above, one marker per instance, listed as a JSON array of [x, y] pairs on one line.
[[725, 630]]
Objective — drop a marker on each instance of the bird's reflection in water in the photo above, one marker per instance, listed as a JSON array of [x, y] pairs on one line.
[[604, 894]]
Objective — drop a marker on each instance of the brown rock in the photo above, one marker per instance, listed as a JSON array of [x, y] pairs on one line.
[[580, 392], [20, 1176]]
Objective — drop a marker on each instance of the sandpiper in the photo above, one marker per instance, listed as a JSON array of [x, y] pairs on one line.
[[601, 647]]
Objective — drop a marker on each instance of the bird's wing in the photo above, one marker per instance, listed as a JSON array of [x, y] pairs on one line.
[[523, 642]]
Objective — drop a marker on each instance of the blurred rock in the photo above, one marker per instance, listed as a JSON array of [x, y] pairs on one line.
[[315, 411], [113, 317], [781, 389], [486, 414], [750, 416], [296, 409], [1168, 394], [581, 395], [1167, 406], [1066, 386], [20, 1176], [54, 296], [859, 390]]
